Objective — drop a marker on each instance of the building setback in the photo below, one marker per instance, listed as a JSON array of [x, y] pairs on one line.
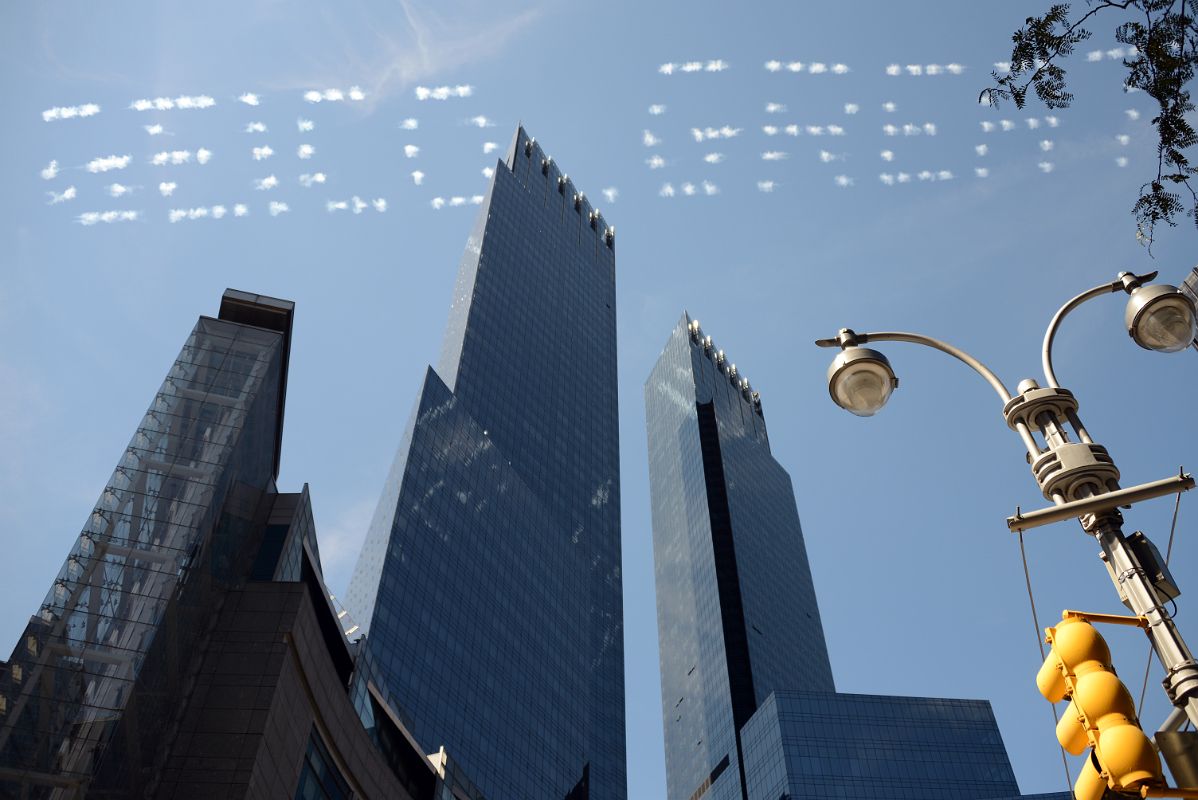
[[749, 708], [489, 584], [188, 647]]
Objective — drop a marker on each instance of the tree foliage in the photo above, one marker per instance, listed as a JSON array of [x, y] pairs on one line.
[[1162, 40]]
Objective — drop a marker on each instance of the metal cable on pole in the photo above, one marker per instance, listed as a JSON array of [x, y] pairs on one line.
[[1027, 579], [1168, 555]]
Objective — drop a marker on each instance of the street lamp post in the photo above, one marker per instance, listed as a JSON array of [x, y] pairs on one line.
[[1073, 472]]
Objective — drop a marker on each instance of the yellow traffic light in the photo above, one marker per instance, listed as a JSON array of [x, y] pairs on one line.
[[1101, 713]]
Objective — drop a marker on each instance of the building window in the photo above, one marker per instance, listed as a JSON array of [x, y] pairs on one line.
[[320, 778]]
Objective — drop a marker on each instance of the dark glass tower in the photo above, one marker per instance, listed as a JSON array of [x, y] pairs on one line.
[[489, 584], [748, 703]]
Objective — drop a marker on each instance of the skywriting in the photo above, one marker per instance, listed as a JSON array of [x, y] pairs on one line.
[[489, 584]]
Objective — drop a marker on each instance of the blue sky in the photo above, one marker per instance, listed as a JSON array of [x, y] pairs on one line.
[[847, 222]]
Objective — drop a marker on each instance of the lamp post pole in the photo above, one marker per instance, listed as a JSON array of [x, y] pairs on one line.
[[1073, 472]]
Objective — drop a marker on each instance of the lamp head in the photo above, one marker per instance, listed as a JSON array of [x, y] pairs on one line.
[[860, 380], [1160, 317]]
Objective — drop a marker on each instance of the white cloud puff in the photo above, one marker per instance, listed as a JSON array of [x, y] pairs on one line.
[[276, 208], [50, 172], [256, 127], [118, 190], [649, 139], [154, 130], [667, 190], [488, 172], [481, 122], [766, 186], [70, 112], [182, 102], [775, 108], [203, 156], [851, 108], [250, 99], [981, 172], [769, 130], [889, 107], [305, 151], [773, 66], [713, 158], [309, 180], [1122, 139], [1121, 161], [108, 163], [1046, 145], [410, 150], [443, 92], [887, 155], [710, 188], [67, 194], [417, 177], [1132, 114], [981, 149], [409, 124], [107, 217], [380, 204], [610, 194], [657, 109], [166, 189], [489, 147], [266, 184], [437, 203], [843, 181], [239, 210], [1046, 166], [774, 155], [655, 162], [262, 153], [305, 125]]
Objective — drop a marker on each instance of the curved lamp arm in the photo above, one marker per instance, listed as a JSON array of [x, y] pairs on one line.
[[1125, 282], [848, 338]]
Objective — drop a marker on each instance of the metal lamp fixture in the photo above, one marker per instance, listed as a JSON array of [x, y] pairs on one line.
[[860, 381], [1161, 318]]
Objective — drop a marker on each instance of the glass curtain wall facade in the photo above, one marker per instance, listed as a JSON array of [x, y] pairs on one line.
[[489, 584], [209, 441], [749, 707]]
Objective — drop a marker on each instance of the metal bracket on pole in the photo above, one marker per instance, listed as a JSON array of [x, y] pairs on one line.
[[1103, 502]]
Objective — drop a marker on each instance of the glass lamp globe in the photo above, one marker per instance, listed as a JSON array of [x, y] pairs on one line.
[[860, 381], [1161, 318]]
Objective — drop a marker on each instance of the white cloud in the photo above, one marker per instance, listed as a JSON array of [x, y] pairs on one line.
[[50, 172], [108, 163], [610, 194], [817, 68], [356, 93], [67, 194], [1046, 145], [256, 127], [481, 122], [726, 132], [489, 147], [417, 177], [239, 210], [886, 178], [987, 127], [262, 153], [166, 104], [166, 189], [488, 172], [851, 108], [835, 130], [332, 95], [443, 92], [1116, 53], [926, 175], [774, 155], [887, 155], [914, 69], [692, 66], [929, 128], [889, 107], [70, 112], [713, 158], [710, 188], [890, 130], [118, 189], [1002, 67], [792, 130], [1121, 161], [249, 98], [649, 140], [795, 66], [1032, 123], [667, 190], [305, 125], [815, 130], [154, 130], [655, 162], [903, 177], [666, 69], [437, 203], [827, 157], [769, 130], [766, 186], [718, 65], [174, 157], [932, 69], [359, 205], [266, 184], [218, 212], [108, 217], [476, 199], [1122, 139], [954, 69], [981, 149], [773, 66], [944, 175], [1052, 121], [774, 108], [305, 151], [981, 172], [179, 214], [689, 189], [1007, 125], [309, 180], [840, 69], [410, 124], [1094, 55], [410, 150], [380, 204], [203, 156], [456, 201], [843, 181], [1046, 166], [1132, 114], [276, 208]]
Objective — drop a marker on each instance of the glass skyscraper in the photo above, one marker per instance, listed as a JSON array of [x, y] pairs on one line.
[[748, 703], [489, 584]]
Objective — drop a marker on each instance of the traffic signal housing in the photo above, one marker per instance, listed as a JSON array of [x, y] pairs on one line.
[[1101, 715]]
